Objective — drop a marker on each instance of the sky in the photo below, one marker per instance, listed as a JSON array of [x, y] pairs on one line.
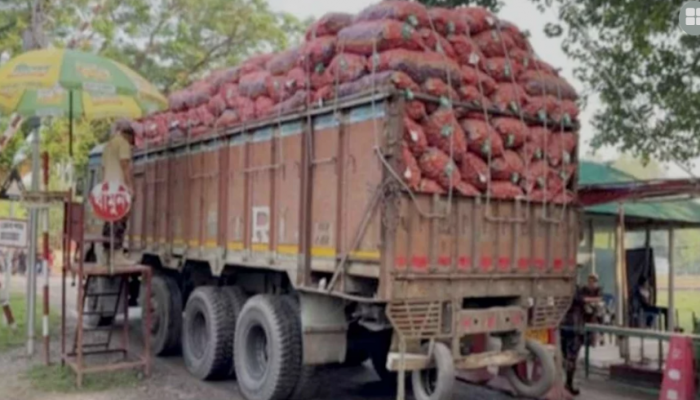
[[526, 16]]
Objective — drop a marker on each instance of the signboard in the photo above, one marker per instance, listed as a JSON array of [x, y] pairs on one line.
[[12, 188], [13, 233], [110, 201]]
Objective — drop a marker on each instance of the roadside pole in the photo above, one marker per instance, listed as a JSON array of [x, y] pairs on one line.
[[33, 248], [46, 252]]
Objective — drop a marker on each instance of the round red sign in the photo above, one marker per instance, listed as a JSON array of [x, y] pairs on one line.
[[110, 201]]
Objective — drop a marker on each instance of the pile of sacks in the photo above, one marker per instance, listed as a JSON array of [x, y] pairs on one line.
[[483, 114]]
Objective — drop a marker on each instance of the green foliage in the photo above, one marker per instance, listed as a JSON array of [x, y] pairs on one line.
[[642, 67], [13, 338], [170, 42]]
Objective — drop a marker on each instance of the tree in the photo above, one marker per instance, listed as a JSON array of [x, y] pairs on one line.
[[632, 54], [170, 42]]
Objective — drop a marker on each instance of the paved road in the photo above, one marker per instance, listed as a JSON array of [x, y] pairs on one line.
[[172, 381]]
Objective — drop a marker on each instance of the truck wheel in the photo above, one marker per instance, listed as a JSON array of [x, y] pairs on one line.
[[548, 373], [267, 349], [436, 383], [236, 298], [207, 333], [166, 315], [306, 387]]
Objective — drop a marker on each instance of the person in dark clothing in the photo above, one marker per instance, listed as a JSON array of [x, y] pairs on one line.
[[647, 311], [572, 333]]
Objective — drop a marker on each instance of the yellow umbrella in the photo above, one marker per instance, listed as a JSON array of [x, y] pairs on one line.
[[74, 84]]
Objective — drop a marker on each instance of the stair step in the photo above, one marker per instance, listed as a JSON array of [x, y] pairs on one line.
[[106, 294]]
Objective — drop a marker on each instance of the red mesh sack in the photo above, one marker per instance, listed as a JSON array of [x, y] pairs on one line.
[[505, 190], [534, 176], [297, 101], [540, 136], [192, 119], [228, 119], [509, 167], [467, 52], [541, 67], [263, 107], [409, 170], [467, 190], [416, 110], [245, 108], [438, 166], [531, 152], [566, 112], [521, 57], [320, 78], [206, 118], [521, 41], [197, 95], [565, 197], [502, 69], [297, 79], [444, 132], [216, 105], [329, 25], [513, 131], [420, 66], [366, 38], [414, 137], [538, 84], [317, 52], [478, 18], [509, 98], [541, 107], [347, 68], [474, 171], [482, 138], [254, 85], [378, 82], [561, 148], [438, 88], [431, 187], [324, 94], [176, 101], [228, 92], [283, 62], [494, 44], [410, 12], [471, 94], [447, 22], [278, 88], [473, 77], [229, 75], [437, 43]]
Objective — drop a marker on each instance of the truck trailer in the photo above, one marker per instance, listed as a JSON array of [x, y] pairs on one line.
[[286, 244]]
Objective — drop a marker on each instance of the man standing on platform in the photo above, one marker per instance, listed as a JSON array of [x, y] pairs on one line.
[[117, 168]]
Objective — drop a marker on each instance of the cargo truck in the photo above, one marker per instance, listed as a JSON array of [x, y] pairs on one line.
[[291, 243]]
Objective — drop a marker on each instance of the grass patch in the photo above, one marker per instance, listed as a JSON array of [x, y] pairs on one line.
[[57, 379], [686, 302], [13, 338]]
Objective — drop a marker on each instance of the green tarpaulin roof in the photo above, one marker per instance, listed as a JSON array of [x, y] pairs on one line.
[[683, 211]]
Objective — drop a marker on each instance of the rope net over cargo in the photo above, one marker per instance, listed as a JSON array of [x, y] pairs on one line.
[[484, 116]]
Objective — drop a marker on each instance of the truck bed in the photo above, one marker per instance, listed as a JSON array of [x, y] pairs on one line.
[[267, 195]]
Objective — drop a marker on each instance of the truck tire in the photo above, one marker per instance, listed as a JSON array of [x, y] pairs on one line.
[[437, 383], [543, 385], [267, 349], [207, 334], [306, 387], [166, 315], [236, 298]]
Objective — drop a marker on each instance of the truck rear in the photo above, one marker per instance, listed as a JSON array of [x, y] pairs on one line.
[[298, 237]]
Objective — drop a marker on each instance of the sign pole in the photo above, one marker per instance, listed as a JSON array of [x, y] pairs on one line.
[[33, 249]]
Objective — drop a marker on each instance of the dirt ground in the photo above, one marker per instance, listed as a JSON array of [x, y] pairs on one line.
[[171, 381]]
